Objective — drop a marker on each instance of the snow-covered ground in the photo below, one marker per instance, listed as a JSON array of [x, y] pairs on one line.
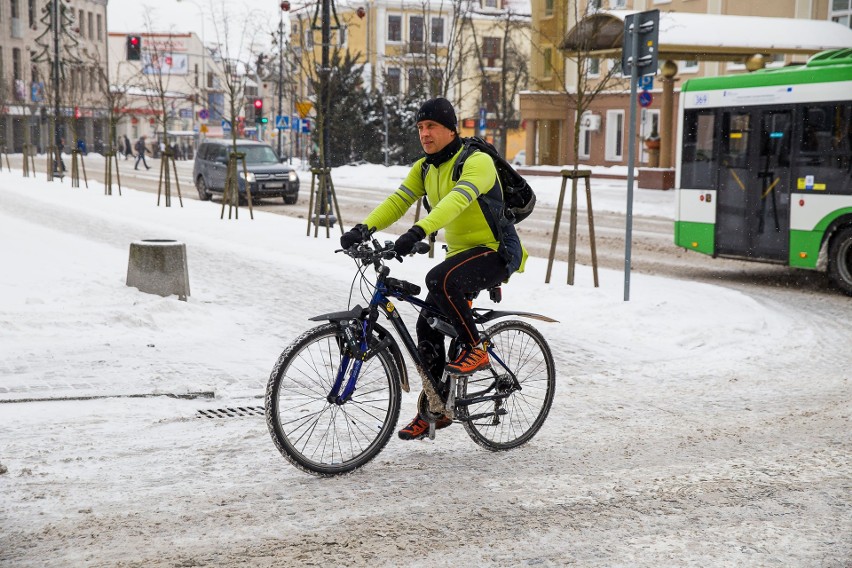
[[693, 425]]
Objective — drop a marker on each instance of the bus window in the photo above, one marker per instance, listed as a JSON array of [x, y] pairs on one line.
[[698, 162], [825, 148], [735, 133]]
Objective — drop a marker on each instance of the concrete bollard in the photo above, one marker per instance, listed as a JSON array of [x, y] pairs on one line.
[[158, 266]]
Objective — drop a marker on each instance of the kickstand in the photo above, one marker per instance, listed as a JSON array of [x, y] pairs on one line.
[[432, 429]]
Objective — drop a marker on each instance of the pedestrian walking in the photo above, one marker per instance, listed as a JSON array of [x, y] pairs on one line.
[[128, 150], [140, 153]]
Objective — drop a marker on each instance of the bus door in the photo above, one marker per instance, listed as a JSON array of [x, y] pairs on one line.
[[753, 202]]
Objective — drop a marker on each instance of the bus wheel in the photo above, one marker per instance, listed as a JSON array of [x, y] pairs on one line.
[[840, 260]]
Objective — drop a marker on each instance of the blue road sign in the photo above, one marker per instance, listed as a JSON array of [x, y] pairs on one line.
[[646, 82], [295, 123], [226, 126], [282, 122], [645, 99], [306, 126], [482, 116], [203, 114]]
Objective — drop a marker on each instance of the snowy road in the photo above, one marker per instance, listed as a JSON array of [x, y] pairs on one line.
[[695, 425]]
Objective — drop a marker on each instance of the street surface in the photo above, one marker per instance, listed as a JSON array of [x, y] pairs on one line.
[[693, 426]]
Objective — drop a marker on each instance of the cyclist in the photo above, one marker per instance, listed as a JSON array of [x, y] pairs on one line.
[[472, 261]]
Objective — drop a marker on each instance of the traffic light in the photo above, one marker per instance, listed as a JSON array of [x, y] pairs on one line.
[[258, 112], [134, 48]]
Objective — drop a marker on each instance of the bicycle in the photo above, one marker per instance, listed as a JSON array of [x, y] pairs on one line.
[[333, 397]]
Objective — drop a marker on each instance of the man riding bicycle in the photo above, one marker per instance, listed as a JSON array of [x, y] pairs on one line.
[[472, 263]]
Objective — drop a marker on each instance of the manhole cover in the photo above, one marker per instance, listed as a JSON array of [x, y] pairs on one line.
[[236, 412]]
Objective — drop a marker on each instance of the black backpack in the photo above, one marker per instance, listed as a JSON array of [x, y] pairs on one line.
[[501, 212]]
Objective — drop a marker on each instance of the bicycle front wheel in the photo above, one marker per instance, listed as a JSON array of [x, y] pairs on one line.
[[512, 420], [322, 437]]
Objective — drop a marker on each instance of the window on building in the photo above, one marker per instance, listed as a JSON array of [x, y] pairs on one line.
[[490, 95], [15, 9], [689, 66], [595, 5], [91, 22], [548, 8], [16, 63], [81, 23], [100, 27], [491, 3], [436, 82], [31, 13], [491, 50], [34, 73], [415, 34], [437, 30], [392, 81], [585, 149], [615, 4], [415, 81], [341, 36], [614, 135], [593, 67], [395, 28], [547, 62]]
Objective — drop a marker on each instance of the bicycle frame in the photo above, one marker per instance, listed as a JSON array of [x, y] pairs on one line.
[[386, 289]]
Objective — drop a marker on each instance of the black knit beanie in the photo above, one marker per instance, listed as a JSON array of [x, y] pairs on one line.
[[439, 110]]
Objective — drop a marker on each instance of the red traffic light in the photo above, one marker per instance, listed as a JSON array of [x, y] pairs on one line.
[[134, 47], [258, 104]]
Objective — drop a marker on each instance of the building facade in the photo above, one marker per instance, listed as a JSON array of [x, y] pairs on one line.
[[175, 66], [467, 51], [549, 107], [30, 96]]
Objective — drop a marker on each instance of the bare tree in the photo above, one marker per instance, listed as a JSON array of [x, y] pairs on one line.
[[501, 64], [235, 50]]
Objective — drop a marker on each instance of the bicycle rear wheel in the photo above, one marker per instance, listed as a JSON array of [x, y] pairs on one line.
[[319, 436], [511, 421]]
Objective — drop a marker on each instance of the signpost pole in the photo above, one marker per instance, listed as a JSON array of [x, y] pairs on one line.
[[642, 26]]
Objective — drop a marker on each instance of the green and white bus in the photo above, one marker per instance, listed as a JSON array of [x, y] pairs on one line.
[[765, 166]]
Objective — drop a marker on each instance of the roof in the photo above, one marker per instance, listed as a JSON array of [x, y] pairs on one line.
[[827, 67], [710, 37]]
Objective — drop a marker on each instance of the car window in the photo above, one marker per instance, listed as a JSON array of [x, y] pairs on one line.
[[220, 154], [202, 151], [259, 154]]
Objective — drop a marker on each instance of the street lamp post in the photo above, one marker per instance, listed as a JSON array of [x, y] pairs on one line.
[[284, 7]]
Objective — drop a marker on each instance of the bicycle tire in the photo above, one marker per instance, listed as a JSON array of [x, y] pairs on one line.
[[318, 436], [526, 353]]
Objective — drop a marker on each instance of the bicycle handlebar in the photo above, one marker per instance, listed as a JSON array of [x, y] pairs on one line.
[[371, 252]]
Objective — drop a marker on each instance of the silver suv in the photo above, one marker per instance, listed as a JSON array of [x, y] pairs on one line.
[[266, 174]]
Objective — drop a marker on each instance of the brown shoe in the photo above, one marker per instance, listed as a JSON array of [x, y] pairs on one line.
[[419, 428], [470, 360]]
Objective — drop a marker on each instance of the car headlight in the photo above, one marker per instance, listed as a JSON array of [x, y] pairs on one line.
[[293, 176], [248, 176]]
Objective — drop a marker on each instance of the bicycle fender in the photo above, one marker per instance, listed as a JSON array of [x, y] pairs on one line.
[[383, 333], [355, 313], [483, 316]]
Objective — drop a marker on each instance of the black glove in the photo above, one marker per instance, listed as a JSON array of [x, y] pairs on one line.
[[405, 243], [357, 234]]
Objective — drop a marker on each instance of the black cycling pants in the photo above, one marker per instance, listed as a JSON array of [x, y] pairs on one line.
[[448, 282]]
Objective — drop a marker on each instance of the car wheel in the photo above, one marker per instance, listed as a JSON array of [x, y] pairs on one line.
[[201, 186], [840, 260], [291, 199]]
